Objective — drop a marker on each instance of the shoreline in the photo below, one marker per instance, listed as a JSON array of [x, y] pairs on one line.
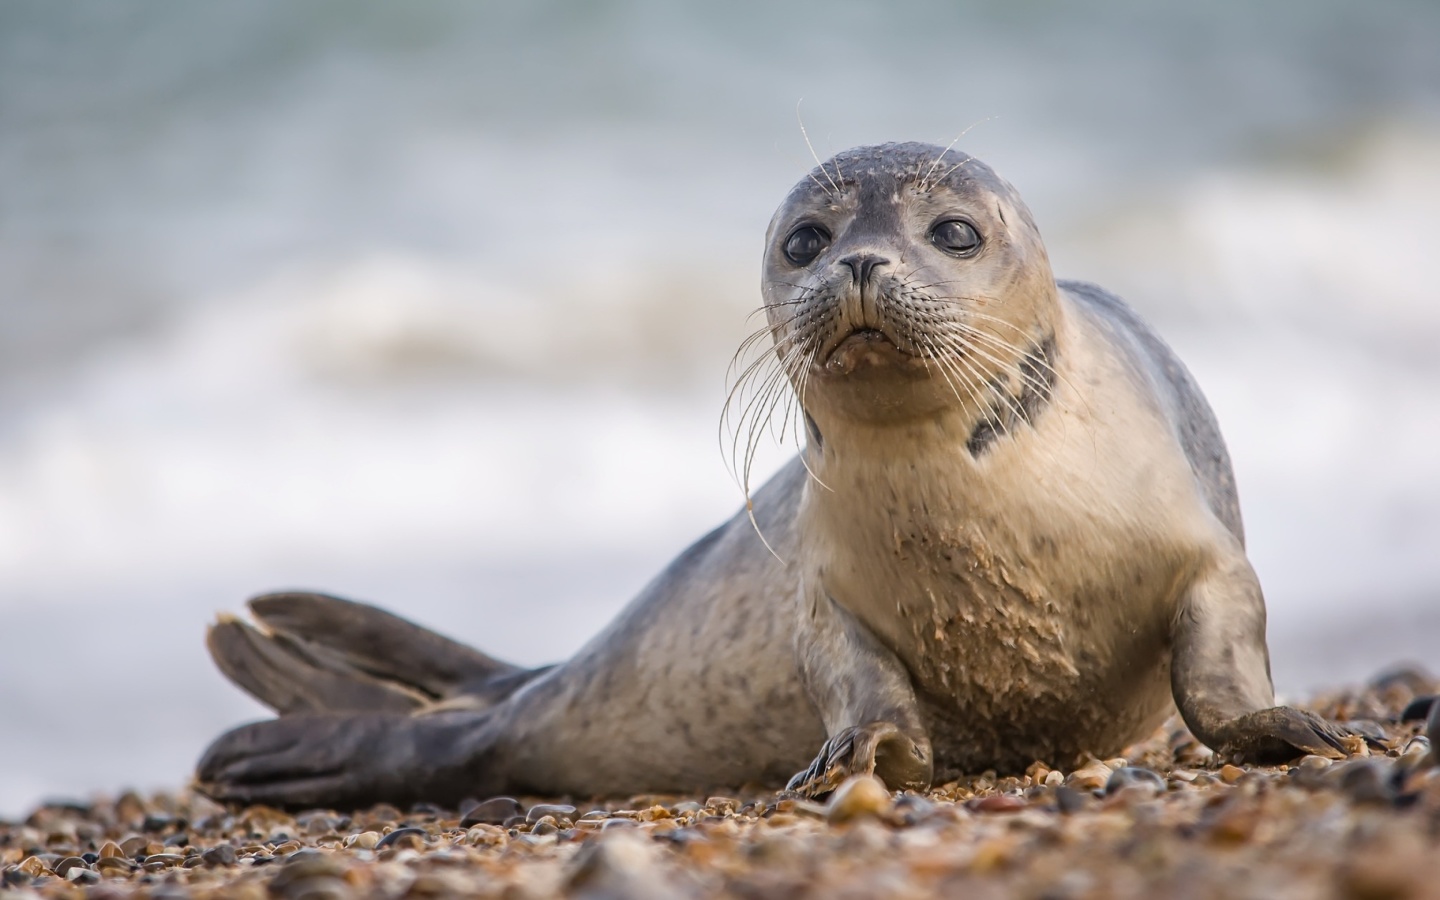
[[1167, 818]]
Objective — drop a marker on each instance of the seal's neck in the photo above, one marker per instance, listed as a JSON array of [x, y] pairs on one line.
[[971, 406]]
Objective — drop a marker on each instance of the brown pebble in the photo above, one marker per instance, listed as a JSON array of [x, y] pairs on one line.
[[619, 865], [34, 867], [1090, 778], [114, 865], [557, 811], [158, 861], [860, 796], [1231, 774], [111, 850], [999, 803], [365, 840]]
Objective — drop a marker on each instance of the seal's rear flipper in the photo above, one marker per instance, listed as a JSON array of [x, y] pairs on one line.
[[345, 761], [314, 653], [377, 642], [290, 677]]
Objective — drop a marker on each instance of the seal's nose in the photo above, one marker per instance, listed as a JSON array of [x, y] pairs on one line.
[[862, 264]]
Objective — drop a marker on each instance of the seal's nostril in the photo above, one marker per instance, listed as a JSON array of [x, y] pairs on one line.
[[862, 264]]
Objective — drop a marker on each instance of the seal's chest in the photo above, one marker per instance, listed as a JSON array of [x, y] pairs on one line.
[[993, 611]]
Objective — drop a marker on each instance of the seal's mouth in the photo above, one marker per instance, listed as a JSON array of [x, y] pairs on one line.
[[864, 347]]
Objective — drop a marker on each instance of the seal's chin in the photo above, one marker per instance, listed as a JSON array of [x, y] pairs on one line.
[[865, 348]]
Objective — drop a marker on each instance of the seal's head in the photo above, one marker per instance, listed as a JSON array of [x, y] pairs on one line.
[[902, 280]]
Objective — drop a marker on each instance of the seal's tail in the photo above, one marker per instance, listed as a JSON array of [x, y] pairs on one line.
[[314, 653]]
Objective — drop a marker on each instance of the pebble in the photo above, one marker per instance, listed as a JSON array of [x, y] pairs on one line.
[[114, 864], [494, 811], [545, 825], [1418, 709], [620, 866], [1366, 780], [158, 861], [1315, 762], [557, 811], [1416, 751], [1358, 828], [858, 797], [1136, 779], [1090, 778], [998, 803], [911, 809], [220, 855], [82, 876], [413, 838], [1070, 801]]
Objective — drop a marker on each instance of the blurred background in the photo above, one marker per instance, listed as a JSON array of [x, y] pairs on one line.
[[431, 304]]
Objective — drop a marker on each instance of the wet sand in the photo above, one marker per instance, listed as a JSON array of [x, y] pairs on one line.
[[1167, 819]]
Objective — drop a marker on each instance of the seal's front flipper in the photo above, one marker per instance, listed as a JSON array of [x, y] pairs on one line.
[[1279, 734], [1220, 674], [878, 748], [865, 698], [348, 761]]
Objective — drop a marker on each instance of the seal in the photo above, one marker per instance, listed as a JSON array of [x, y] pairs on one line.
[[1012, 534]]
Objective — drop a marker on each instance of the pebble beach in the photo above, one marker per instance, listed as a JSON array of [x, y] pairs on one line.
[[1168, 818]]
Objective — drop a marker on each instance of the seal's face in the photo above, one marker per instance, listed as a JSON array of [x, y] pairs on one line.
[[902, 279]]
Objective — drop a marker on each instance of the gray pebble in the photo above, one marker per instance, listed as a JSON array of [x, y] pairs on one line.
[[220, 855], [1418, 709], [401, 835], [495, 811], [1134, 777], [1069, 800], [911, 809], [1365, 780]]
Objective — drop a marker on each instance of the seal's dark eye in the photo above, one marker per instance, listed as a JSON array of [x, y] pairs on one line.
[[805, 243], [956, 237]]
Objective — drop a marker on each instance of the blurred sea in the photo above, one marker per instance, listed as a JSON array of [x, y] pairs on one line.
[[431, 304]]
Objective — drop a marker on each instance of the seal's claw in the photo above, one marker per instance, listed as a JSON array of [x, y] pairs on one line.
[[1280, 734], [879, 748]]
